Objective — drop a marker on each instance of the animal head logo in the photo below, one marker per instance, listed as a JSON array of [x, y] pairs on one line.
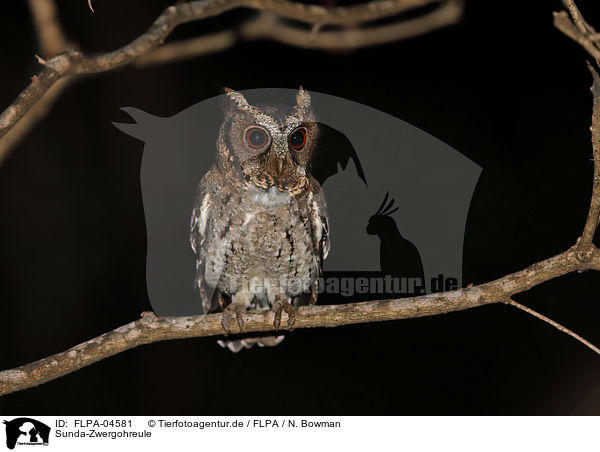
[[26, 431]]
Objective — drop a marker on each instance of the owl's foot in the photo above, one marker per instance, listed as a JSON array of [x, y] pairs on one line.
[[233, 313], [278, 308]]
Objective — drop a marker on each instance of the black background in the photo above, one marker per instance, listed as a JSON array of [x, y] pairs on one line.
[[504, 88]]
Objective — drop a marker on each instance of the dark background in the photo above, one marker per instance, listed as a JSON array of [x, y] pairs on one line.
[[504, 88]]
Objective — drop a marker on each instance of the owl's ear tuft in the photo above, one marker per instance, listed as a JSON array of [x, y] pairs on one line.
[[236, 100], [302, 103], [302, 98]]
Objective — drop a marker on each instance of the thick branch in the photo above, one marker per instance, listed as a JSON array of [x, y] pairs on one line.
[[152, 329]]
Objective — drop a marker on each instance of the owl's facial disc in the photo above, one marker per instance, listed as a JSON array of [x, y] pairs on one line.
[[274, 159]]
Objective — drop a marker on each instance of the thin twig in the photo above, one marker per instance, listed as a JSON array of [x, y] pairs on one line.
[[39, 111], [188, 48], [593, 217], [556, 325], [51, 37], [52, 40], [563, 22]]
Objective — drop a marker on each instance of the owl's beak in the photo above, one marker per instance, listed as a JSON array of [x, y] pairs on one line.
[[278, 165]]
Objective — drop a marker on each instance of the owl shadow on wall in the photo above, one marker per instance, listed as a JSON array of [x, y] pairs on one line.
[[362, 154]]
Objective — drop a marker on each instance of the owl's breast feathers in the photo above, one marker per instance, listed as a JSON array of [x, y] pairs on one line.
[[241, 233]]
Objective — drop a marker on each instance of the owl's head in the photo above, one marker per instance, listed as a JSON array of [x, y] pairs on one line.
[[272, 144]]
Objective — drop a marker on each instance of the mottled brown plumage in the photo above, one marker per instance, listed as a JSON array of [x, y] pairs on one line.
[[259, 225]]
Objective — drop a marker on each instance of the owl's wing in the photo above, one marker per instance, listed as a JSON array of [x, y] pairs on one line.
[[320, 221], [199, 223]]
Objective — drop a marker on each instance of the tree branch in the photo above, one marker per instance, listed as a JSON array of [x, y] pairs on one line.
[[591, 223], [563, 22], [150, 328], [578, 19]]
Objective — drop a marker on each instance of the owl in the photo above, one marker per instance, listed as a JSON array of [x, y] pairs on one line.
[[259, 226]]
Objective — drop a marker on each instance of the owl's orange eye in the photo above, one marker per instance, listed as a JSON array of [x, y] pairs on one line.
[[297, 139], [257, 137]]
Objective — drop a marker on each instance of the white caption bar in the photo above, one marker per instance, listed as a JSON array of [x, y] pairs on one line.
[[277, 433]]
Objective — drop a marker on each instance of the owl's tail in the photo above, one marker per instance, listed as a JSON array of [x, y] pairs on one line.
[[236, 345]]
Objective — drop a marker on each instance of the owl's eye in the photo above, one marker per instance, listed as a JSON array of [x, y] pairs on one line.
[[257, 137], [297, 139]]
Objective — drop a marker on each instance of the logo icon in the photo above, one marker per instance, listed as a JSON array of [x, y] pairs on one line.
[[26, 431]]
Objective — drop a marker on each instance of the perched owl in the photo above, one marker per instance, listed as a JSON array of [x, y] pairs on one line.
[[259, 226]]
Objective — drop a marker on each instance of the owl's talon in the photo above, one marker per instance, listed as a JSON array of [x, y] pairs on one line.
[[278, 308], [277, 320], [233, 312], [225, 324], [291, 316]]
